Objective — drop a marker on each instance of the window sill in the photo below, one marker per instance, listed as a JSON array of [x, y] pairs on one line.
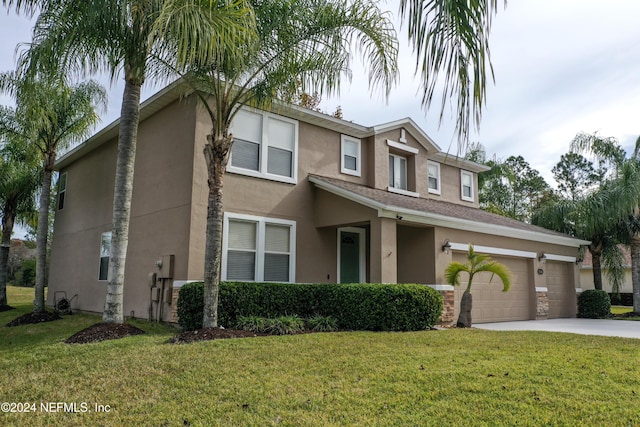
[[403, 192], [257, 174], [350, 172]]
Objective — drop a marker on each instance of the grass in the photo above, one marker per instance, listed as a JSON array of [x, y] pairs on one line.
[[621, 309], [438, 378]]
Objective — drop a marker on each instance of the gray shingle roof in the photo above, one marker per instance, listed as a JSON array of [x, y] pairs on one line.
[[393, 201]]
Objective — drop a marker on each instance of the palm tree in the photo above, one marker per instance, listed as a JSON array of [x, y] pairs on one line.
[[114, 35], [19, 179], [451, 37], [477, 263], [51, 116], [588, 219], [620, 193], [301, 45]]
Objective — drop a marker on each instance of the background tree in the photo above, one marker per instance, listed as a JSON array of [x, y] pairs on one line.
[[19, 178], [576, 176], [510, 188], [476, 263], [300, 44], [51, 116], [122, 35]]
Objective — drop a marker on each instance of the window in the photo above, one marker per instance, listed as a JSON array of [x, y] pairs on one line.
[[105, 251], [466, 180], [433, 170], [397, 172], [62, 190], [258, 249], [265, 146], [350, 162]]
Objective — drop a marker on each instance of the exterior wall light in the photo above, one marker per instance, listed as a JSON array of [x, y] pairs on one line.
[[542, 257], [446, 246]]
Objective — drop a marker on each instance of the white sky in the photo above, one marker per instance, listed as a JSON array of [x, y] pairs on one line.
[[561, 67]]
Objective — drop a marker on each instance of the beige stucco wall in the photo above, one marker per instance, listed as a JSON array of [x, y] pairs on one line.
[[160, 213], [586, 280]]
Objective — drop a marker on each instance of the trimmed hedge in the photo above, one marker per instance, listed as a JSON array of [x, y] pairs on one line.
[[594, 304], [191, 306], [362, 306]]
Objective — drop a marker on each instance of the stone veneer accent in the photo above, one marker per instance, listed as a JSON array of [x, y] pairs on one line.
[[448, 302], [542, 303], [174, 305]]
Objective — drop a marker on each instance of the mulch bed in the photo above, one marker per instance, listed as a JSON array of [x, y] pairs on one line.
[[102, 332], [6, 308], [211, 334], [34, 318]]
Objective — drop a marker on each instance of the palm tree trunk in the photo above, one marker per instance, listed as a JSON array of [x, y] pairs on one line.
[[464, 318], [635, 271], [129, 119], [597, 268], [5, 246], [42, 232], [216, 155]]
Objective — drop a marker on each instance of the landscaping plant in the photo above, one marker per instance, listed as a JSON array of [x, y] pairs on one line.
[[477, 263]]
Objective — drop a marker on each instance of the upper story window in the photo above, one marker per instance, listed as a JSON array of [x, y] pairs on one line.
[[466, 181], [402, 169], [351, 156], [105, 251], [62, 190], [265, 146], [433, 170], [258, 249], [397, 172]]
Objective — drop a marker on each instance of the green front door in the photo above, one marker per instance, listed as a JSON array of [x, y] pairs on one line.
[[350, 256]]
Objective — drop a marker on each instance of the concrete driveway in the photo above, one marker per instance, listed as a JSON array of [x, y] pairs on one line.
[[609, 328]]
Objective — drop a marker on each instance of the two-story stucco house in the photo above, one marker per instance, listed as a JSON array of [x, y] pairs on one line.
[[308, 198]]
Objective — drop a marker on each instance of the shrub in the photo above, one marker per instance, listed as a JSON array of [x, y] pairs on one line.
[[252, 323], [319, 323], [191, 306], [285, 325], [356, 306], [594, 304], [366, 306]]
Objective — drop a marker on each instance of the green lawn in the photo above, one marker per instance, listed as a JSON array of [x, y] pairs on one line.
[[621, 309], [440, 378]]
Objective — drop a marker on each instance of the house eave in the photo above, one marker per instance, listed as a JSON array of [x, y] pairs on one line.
[[409, 215]]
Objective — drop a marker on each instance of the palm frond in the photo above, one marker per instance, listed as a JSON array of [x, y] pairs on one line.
[[451, 42]]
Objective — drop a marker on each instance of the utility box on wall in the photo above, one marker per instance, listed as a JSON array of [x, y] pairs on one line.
[[166, 268]]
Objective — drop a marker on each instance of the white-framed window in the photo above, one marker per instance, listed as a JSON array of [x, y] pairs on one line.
[[62, 190], [258, 249], [433, 170], [265, 146], [350, 161], [105, 251], [466, 186], [397, 172]]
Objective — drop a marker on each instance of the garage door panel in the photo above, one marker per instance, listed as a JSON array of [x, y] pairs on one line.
[[490, 304], [560, 289]]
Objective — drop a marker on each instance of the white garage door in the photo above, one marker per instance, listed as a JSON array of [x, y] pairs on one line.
[[490, 304], [561, 290]]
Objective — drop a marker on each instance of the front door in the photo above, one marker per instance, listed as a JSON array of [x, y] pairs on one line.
[[351, 255]]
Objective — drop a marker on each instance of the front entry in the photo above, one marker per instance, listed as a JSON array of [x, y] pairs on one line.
[[351, 256]]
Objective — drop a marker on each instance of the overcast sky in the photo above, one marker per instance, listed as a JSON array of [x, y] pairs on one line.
[[561, 67]]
